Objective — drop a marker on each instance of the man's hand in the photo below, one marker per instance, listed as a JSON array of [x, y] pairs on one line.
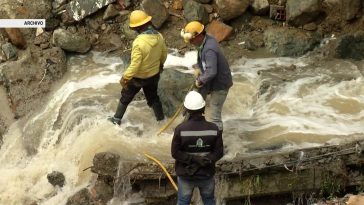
[[123, 82], [196, 70], [198, 84], [202, 161], [192, 169]]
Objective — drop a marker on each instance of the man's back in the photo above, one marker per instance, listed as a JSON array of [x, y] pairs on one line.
[[149, 51], [196, 137]]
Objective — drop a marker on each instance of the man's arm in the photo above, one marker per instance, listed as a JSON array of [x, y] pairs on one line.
[[218, 149], [177, 147], [210, 69], [136, 60], [164, 52]]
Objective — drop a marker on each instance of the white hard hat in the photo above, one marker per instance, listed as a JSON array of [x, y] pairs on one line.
[[194, 101]]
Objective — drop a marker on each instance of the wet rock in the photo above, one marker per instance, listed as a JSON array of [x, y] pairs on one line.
[[56, 178], [16, 37], [260, 7], [351, 9], [106, 163], [157, 10], [128, 33], [70, 42], [110, 41], [110, 12], [194, 11], [79, 9], [93, 24], [209, 8], [310, 27], [219, 30], [103, 190], [37, 9], [9, 51], [43, 38], [54, 61], [302, 12], [83, 197], [171, 91], [52, 23], [229, 9], [289, 42], [58, 3], [2, 58], [351, 46]]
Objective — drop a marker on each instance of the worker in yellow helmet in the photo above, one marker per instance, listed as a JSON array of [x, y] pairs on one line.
[[212, 71], [148, 54]]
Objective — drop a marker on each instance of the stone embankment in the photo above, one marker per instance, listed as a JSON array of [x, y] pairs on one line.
[[288, 177]]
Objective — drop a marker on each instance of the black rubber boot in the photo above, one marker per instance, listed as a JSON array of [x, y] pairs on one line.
[[120, 110], [158, 111]]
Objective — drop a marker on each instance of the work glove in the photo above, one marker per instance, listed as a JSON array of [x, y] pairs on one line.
[[198, 84], [202, 161], [196, 71], [123, 82]]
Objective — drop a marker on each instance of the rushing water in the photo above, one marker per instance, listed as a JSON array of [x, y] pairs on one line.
[[272, 106]]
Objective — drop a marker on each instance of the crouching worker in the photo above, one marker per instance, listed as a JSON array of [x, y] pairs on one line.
[[148, 54], [196, 146]]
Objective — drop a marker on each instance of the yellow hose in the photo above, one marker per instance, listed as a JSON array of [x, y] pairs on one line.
[[180, 108], [164, 170], [171, 119]]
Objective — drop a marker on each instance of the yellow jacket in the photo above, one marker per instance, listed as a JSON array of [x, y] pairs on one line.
[[149, 51]]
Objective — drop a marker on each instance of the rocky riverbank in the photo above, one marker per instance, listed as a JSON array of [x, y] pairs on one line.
[[31, 60]]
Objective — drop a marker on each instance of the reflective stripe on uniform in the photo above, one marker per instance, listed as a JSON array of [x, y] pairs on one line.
[[199, 133], [201, 154]]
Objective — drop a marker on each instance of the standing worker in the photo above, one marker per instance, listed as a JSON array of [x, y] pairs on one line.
[[196, 146], [148, 54], [212, 71]]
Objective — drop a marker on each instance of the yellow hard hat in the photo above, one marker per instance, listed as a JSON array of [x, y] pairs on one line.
[[191, 30], [138, 18]]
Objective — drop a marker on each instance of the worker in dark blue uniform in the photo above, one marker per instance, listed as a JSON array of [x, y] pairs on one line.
[[196, 146]]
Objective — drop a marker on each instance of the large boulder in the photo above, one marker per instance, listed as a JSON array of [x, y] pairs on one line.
[[289, 42], [194, 11], [79, 9], [351, 46], [16, 37], [70, 42], [9, 51], [229, 9], [302, 12], [29, 79], [173, 86], [106, 163], [157, 10]]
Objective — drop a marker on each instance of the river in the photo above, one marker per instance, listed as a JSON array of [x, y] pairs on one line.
[[276, 104]]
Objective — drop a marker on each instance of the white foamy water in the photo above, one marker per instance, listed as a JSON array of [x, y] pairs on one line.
[[306, 111]]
